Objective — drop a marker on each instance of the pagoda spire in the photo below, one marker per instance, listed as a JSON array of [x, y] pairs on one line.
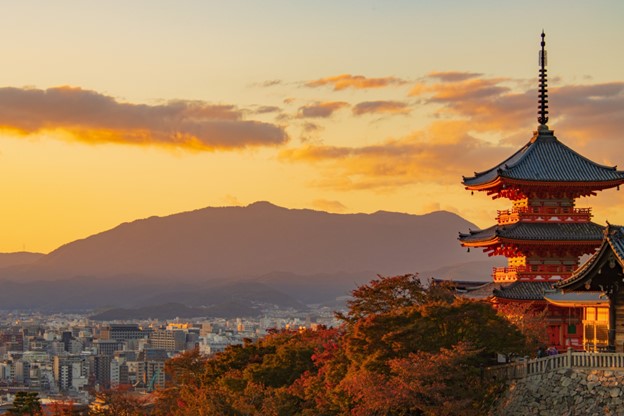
[[543, 84]]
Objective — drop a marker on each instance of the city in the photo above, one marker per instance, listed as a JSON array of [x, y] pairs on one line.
[[67, 357]]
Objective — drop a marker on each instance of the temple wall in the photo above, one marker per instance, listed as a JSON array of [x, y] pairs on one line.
[[564, 392]]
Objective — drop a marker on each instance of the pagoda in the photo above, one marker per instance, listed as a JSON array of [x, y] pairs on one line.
[[544, 233]]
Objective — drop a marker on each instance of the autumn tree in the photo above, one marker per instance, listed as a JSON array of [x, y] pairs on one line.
[[529, 319], [404, 348], [118, 402]]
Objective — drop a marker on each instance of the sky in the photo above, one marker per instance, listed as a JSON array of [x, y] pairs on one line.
[[115, 111]]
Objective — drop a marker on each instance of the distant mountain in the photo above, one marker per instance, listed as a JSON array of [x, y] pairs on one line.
[[292, 256], [472, 271], [18, 259], [228, 310]]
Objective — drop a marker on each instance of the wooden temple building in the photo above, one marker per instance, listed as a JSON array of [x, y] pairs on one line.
[[544, 234], [597, 288]]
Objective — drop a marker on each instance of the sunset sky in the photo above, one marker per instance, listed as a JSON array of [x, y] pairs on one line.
[[119, 110]]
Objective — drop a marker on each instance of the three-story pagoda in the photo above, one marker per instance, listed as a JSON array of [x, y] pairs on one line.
[[544, 233]]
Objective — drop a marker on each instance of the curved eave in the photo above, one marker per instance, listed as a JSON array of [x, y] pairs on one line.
[[500, 299], [589, 267], [501, 180], [502, 240], [577, 299], [484, 243], [576, 304]]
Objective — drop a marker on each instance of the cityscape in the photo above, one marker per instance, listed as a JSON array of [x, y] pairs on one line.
[[67, 357], [285, 209]]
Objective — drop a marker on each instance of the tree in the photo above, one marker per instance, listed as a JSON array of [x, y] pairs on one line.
[[376, 339], [529, 319], [62, 408], [423, 383], [404, 349], [26, 403], [118, 402], [384, 294]]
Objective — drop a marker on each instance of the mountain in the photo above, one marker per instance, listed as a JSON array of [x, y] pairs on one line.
[[292, 256], [167, 311], [258, 239], [18, 259]]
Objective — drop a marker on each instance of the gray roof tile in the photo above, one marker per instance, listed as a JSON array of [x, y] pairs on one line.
[[523, 290], [545, 158], [613, 240], [537, 232]]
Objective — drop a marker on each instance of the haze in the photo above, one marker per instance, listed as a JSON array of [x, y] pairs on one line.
[[122, 110]]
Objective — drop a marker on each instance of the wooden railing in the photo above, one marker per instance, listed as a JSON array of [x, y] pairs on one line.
[[569, 359], [546, 271], [541, 214]]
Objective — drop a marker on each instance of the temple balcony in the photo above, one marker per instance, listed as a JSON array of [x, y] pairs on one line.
[[544, 214], [532, 272]]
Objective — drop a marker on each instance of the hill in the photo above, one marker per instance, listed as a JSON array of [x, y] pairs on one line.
[[19, 258], [308, 256]]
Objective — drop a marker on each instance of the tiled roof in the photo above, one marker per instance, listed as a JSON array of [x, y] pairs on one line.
[[587, 297], [615, 237], [613, 240], [523, 290], [537, 232], [480, 292], [545, 158]]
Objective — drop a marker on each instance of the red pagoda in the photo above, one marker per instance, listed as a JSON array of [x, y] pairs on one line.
[[544, 234]]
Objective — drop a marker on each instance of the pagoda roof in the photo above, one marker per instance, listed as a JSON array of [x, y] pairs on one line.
[[545, 159], [613, 242], [523, 290], [532, 231]]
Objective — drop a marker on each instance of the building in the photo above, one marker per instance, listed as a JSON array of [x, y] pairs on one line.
[[544, 233], [122, 332], [151, 374], [169, 340], [596, 289]]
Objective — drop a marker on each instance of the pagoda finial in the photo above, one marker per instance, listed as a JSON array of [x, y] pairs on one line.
[[543, 84]]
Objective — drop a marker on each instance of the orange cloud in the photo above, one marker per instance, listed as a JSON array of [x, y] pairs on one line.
[[344, 81], [395, 163], [91, 117], [580, 112], [590, 118], [381, 107], [321, 110], [467, 89]]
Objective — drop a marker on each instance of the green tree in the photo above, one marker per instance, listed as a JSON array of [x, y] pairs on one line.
[[26, 403]]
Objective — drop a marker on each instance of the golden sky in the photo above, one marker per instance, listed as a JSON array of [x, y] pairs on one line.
[[115, 111]]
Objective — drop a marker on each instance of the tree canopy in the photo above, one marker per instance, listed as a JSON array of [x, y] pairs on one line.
[[404, 348]]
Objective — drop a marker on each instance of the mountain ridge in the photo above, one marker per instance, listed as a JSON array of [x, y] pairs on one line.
[[322, 255]]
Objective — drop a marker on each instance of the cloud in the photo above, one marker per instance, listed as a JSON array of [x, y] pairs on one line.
[[321, 110], [344, 81], [592, 115], [309, 132], [267, 109], [467, 89], [478, 122], [400, 162], [270, 83], [91, 117], [381, 107], [453, 76], [328, 205]]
